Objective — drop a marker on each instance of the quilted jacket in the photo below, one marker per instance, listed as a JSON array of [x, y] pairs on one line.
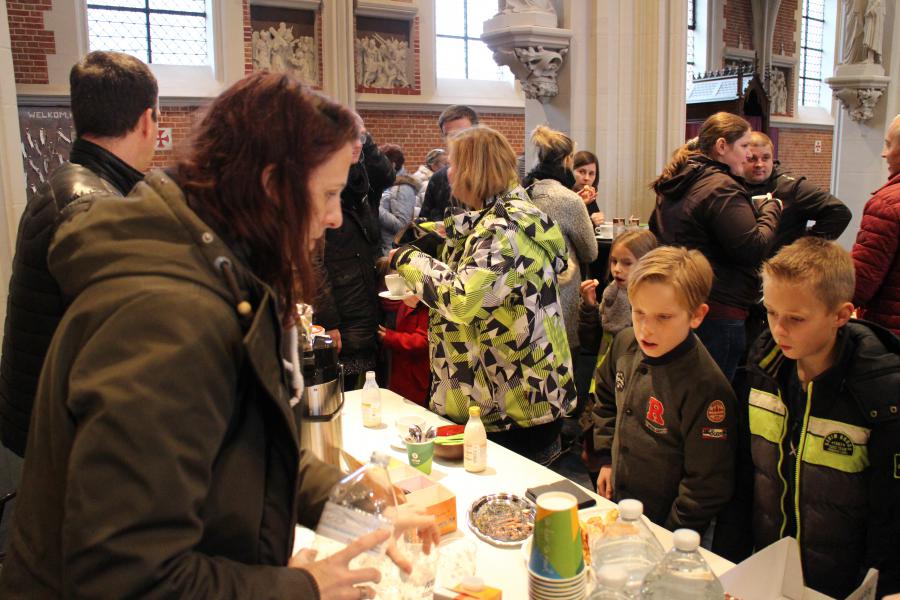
[[496, 329], [876, 258]]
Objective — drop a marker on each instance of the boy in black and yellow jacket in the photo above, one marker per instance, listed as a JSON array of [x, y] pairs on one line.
[[663, 411], [821, 398]]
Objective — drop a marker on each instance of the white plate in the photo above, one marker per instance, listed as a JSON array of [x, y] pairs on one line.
[[397, 443], [388, 296]]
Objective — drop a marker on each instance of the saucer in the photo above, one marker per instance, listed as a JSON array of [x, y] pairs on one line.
[[397, 443], [386, 294]]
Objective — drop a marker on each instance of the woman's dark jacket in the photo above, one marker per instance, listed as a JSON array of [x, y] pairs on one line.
[[34, 306], [704, 207], [164, 459], [348, 299]]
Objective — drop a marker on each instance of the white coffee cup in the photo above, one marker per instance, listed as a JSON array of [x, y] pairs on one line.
[[404, 423], [395, 284], [605, 230]]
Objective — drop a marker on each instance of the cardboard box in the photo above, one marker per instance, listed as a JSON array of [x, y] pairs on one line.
[[459, 593], [431, 497], [420, 491], [775, 573]]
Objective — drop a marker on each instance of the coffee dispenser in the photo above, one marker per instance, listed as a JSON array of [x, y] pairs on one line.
[[319, 410]]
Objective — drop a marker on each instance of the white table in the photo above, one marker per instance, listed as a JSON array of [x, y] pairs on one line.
[[506, 472]]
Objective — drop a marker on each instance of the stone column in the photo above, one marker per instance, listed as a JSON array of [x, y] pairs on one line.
[[12, 179], [337, 49], [857, 168], [621, 91], [624, 89]]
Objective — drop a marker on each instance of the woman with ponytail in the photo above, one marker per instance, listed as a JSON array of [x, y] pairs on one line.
[[550, 187], [701, 203]]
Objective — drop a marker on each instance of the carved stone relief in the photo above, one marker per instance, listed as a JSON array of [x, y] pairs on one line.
[[283, 41], [860, 103], [382, 62]]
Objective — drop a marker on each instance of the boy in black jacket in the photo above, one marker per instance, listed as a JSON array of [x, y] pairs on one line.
[[662, 414], [820, 417]]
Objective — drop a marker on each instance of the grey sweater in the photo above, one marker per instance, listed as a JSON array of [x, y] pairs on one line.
[[568, 211]]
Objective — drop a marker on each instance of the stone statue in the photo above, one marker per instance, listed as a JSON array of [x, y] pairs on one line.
[[852, 38], [543, 66], [382, 63], [873, 31], [278, 50], [520, 6], [262, 56], [778, 93]]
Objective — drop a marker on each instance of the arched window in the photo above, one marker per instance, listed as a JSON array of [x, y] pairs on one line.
[[459, 51], [816, 52], [163, 32], [696, 38]]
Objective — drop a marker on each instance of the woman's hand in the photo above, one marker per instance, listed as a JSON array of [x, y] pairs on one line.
[[587, 193], [589, 292], [335, 335], [604, 482], [415, 526], [598, 219], [333, 575], [382, 330]]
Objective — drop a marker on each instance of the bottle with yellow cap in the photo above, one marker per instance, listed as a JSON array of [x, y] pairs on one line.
[[474, 442]]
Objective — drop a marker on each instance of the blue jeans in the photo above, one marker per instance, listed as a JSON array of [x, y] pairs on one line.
[[725, 340]]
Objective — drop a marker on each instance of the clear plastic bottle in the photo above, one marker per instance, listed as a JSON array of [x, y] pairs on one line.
[[683, 574], [611, 581], [360, 503], [474, 442], [371, 401], [628, 543]]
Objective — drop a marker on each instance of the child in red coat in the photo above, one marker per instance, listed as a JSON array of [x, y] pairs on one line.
[[408, 343]]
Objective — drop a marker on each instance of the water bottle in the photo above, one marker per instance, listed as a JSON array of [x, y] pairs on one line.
[[360, 503], [371, 401], [611, 581], [683, 574], [628, 543]]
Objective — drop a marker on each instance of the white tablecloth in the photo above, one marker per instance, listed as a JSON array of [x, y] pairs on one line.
[[506, 472]]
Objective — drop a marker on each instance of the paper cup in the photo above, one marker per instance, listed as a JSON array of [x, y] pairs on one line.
[[556, 544], [420, 455]]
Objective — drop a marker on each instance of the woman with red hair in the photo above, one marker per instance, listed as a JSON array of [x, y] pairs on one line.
[[163, 460]]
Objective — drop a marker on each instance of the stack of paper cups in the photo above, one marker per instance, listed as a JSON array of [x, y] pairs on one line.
[[556, 566]]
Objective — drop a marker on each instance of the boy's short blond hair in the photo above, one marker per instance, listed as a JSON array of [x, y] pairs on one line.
[[687, 271], [824, 266]]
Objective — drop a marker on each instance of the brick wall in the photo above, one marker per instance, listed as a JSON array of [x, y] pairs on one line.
[[417, 131], [30, 41], [248, 38], [180, 119], [739, 20], [796, 153], [787, 23], [738, 23]]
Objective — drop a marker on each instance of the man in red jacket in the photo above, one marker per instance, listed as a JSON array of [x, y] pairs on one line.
[[875, 255]]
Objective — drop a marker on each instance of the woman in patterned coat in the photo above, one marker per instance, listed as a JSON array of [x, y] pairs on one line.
[[496, 332]]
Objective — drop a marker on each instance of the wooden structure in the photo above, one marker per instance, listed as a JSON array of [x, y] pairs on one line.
[[737, 90]]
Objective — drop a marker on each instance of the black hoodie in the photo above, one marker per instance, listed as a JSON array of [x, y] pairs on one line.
[[803, 202], [705, 207]]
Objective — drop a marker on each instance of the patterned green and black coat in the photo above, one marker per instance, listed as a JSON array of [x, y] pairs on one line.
[[496, 331]]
